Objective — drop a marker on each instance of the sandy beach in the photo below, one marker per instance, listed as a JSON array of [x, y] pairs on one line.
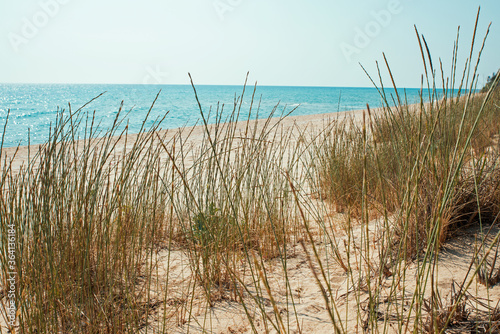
[[299, 299], [194, 135], [293, 289]]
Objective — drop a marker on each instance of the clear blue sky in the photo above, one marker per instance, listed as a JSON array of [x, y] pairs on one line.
[[281, 42]]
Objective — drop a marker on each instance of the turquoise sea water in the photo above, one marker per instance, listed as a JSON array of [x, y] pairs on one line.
[[34, 107]]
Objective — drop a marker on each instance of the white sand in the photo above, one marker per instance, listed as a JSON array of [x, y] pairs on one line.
[[309, 313]]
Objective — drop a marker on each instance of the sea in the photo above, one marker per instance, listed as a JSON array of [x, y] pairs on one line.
[[33, 109]]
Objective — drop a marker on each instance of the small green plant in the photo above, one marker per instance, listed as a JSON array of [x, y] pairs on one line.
[[210, 225], [213, 234]]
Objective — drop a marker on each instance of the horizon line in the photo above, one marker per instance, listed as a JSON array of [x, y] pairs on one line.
[[197, 85]]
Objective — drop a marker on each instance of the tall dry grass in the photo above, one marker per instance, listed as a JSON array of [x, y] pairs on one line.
[[91, 214], [423, 172]]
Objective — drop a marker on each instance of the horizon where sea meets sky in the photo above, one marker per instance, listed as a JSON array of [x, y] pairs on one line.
[[283, 43], [29, 111]]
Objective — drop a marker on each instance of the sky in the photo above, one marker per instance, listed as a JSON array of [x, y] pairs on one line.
[[280, 42]]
